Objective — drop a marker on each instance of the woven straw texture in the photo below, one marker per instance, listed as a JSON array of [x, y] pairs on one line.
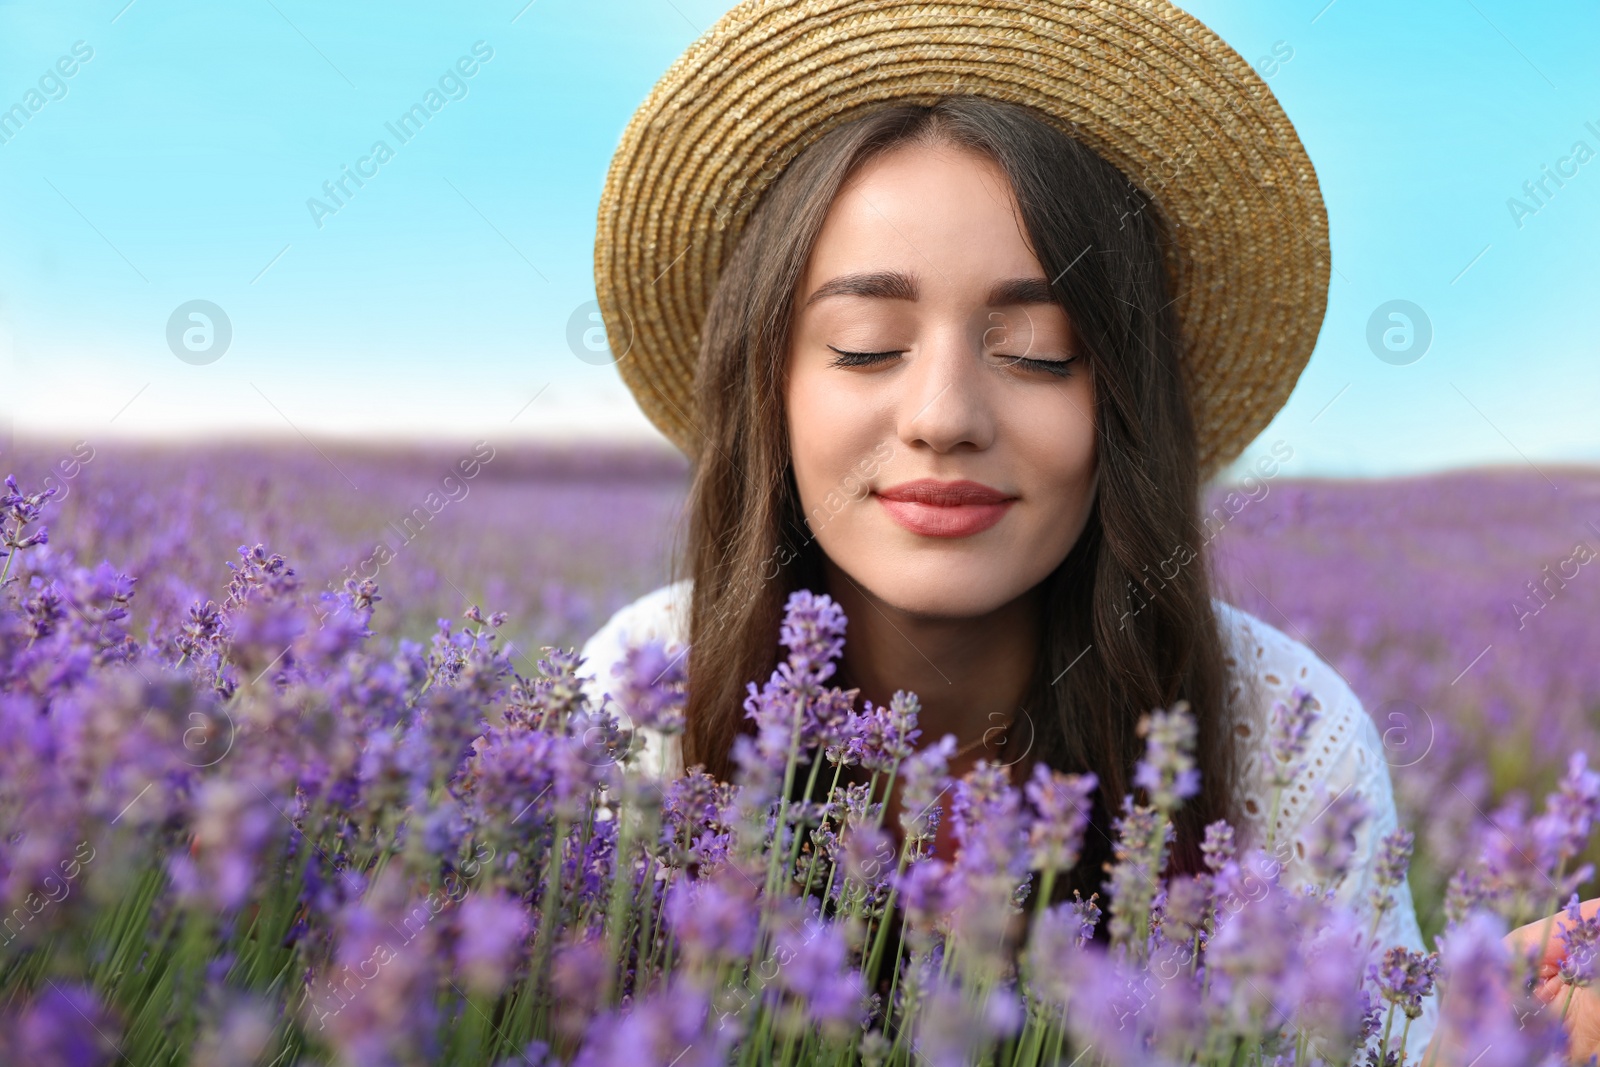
[[1143, 83]]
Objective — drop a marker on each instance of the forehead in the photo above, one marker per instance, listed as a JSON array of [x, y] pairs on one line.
[[941, 213]]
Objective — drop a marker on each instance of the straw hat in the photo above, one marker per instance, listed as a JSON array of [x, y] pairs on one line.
[[1144, 84]]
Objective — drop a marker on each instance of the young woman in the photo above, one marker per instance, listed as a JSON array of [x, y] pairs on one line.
[[989, 461], [931, 359]]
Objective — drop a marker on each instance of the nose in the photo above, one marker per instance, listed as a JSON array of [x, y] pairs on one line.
[[945, 405]]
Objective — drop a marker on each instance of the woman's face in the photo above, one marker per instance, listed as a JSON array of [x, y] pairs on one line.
[[951, 468]]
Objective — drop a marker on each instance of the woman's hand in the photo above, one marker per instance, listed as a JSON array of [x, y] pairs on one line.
[[1582, 1018]]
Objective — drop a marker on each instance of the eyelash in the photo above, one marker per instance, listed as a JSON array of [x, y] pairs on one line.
[[1058, 367]]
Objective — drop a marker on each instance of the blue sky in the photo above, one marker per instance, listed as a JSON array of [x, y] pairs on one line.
[[176, 162]]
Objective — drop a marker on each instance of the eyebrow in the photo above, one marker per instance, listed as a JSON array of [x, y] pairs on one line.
[[898, 285]]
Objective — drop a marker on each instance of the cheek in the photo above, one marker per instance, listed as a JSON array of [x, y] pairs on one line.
[[832, 434], [1055, 444]]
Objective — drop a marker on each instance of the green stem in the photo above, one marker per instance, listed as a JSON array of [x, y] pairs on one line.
[[799, 830]]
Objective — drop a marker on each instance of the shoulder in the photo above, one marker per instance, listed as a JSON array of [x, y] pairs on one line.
[[1343, 751], [662, 614]]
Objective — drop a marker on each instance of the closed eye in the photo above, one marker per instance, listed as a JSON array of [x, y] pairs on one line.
[[859, 359], [1060, 368]]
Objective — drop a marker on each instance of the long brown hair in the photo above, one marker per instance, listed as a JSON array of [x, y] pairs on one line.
[[1123, 633]]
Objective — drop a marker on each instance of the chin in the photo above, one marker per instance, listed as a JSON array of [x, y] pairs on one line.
[[942, 585]]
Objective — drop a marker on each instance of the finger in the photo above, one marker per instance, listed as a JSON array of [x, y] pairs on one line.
[[1541, 932]]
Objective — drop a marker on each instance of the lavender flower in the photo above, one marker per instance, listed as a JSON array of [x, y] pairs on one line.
[[988, 823], [651, 684], [927, 893], [1167, 772], [813, 632], [65, 1025], [887, 736], [674, 1026], [951, 1031], [715, 918], [1061, 805], [490, 928], [17, 512], [239, 1036], [1288, 732], [580, 980], [1389, 870], [1405, 977], [926, 782], [1331, 838], [234, 822], [818, 974], [1574, 806], [1580, 938], [1481, 1021], [1218, 847]]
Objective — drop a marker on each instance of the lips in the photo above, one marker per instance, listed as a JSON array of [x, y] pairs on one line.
[[932, 508]]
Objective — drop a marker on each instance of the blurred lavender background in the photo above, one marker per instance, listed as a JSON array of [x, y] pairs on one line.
[[1460, 606]]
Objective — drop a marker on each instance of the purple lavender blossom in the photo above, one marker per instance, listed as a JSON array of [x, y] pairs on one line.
[[927, 893], [676, 1026], [926, 781], [714, 918], [234, 821], [1061, 816], [1404, 977], [884, 737], [1288, 732], [1389, 869], [1167, 772], [818, 974], [376, 1003], [1332, 837], [580, 981], [1481, 1020], [951, 1031], [20, 511], [64, 1025], [988, 822], [813, 632], [490, 929], [1580, 937], [1218, 847], [1575, 805], [650, 685]]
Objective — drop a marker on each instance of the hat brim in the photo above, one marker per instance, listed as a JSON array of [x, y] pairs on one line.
[[1145, 85]]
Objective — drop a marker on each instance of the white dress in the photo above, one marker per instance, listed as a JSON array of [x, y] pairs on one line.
[[1344, 753]]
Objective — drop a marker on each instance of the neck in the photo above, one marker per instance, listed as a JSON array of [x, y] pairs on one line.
[[970, 674]]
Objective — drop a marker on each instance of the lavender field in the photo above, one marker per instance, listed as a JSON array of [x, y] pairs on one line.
[[1462, 608], [1441, 599]]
